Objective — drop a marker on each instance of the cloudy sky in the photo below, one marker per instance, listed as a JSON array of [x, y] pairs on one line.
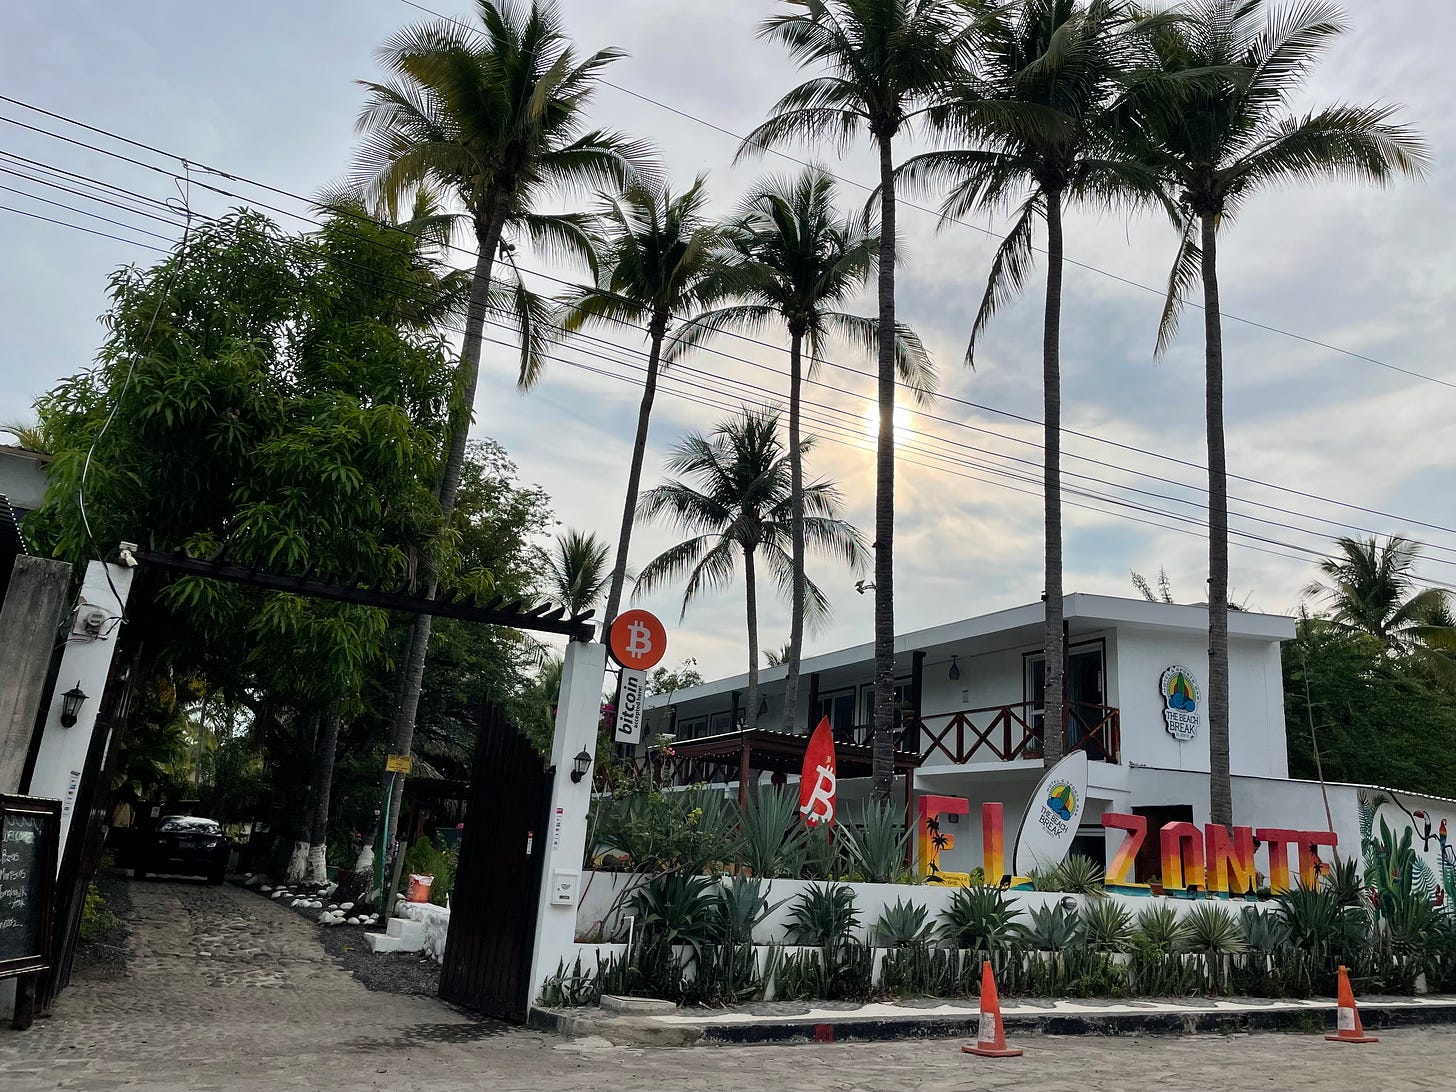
[[265, 91]]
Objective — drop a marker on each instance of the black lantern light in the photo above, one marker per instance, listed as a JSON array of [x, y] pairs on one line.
[[582, 763], [763, 705], [71, 702], [955, 668]]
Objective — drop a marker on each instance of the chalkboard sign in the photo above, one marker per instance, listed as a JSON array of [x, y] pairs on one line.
[[29, 834]]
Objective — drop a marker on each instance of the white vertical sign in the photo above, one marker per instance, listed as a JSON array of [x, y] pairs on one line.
[[631, 698]]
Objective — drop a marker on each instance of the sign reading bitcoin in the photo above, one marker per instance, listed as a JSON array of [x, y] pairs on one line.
[[638, 640]]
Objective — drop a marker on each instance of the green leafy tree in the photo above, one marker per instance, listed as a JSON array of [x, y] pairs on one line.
[[264, 404], [882, 62], [1217, 143], [742, 507], [659, 261], [1373, 719], [797, 260], [494, 118], [1037, 124]]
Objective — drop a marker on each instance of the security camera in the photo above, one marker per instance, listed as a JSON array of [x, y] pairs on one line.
[[125, 556]]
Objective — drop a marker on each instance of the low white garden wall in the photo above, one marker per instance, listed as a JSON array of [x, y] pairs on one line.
[[595, 915]]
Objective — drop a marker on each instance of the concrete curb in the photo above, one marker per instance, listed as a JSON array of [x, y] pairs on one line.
[[645, 1031]]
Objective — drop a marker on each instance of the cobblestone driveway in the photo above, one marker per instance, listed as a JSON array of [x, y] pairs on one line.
[[227, 991]]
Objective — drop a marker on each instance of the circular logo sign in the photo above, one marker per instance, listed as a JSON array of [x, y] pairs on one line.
[[1181, 696], [638, 640]]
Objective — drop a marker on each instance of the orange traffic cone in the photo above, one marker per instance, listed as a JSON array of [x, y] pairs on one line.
[[1348, 1028], [991, 1038]]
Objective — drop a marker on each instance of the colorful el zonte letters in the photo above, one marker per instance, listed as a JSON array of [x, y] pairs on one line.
[[1213, 860]]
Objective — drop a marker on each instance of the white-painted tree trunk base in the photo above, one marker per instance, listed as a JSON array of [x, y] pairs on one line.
[[296, 863], [316, 870]]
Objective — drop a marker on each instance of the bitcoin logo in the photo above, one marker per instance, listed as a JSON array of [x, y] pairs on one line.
[[637, 640]]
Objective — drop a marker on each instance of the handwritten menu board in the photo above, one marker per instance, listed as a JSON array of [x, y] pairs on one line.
[[29, 830]]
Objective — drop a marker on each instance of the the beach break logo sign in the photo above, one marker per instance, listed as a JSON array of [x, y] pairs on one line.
[[1181, 697]]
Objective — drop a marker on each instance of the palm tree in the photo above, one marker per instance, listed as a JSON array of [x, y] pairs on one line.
[[659, 260], [1370, 587], [491, 117], [797, 259], [1038, 125], [743, 505], [577, 570], [886, 59], [1217, 144]]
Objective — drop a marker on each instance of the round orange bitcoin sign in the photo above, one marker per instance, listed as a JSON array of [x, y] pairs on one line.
[[638, 640]]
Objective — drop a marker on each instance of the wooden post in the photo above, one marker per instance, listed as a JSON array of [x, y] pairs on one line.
[[917, 692], [813, 701], [30, 619], [733, 714], [24, 1003], [743, 771]]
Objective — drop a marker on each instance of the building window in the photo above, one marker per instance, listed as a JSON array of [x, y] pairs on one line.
[[838, 706], [1085, 693], [720, 722], [692, 727]]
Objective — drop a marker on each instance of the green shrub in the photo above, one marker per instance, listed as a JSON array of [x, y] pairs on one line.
[[823, 915], [1107, 926], [774, 840], [1051, 929], [427, 858], [979, 918], [903, 925], [879, 846], [96, 917]]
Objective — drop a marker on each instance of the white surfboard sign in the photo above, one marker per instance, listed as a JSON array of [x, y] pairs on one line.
[[1052, 815]]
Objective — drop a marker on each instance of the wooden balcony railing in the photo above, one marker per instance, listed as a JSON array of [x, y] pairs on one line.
[[1005, 733]]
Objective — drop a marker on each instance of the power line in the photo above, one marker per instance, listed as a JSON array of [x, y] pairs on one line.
[[672, 379], [735, 334], [990, 452]]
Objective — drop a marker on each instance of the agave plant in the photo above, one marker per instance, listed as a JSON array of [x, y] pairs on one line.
[[1159, 930], [1213, 930], [879, 846], [1318, 923], [903, 925], [677, 909], [1107, 926], [773, 841], [1052, 928], [739, 907], [1081, 875], [978, 918], [823, 915], [1344, 881], [1263, 933]]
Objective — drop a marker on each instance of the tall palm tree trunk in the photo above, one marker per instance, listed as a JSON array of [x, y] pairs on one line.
[[796, 488], [1054, 726], [402, 728], [750, 584], [325, 747], [657, 331], [1220, 788], [883, 762]]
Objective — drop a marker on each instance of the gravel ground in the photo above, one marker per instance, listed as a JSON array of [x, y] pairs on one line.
[[408, 973], [104, 955]]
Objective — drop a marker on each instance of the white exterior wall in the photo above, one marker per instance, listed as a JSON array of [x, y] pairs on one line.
[[1257, 745]]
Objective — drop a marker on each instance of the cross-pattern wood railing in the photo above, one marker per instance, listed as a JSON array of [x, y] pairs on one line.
[[1006, 733]]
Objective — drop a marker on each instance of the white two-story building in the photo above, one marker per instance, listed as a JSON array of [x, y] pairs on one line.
[[971, 722]]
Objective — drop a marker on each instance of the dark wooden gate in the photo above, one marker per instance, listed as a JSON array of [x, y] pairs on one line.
[[487, 964]]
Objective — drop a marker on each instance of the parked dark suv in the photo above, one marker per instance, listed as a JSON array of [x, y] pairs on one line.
[[186, 845]]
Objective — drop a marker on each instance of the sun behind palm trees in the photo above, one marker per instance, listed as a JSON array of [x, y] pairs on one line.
[[743, 507]]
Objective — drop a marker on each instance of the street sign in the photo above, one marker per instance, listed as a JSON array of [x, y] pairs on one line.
[[631, 698], [398, 764], [638, 640]]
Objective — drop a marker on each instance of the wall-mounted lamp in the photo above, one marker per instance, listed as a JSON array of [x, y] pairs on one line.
[[1068, 902], [71, 702], [582, 764], [955, 668], [763, 705]]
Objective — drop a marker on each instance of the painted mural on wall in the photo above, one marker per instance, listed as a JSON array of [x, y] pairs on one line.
[[1408, 846]]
